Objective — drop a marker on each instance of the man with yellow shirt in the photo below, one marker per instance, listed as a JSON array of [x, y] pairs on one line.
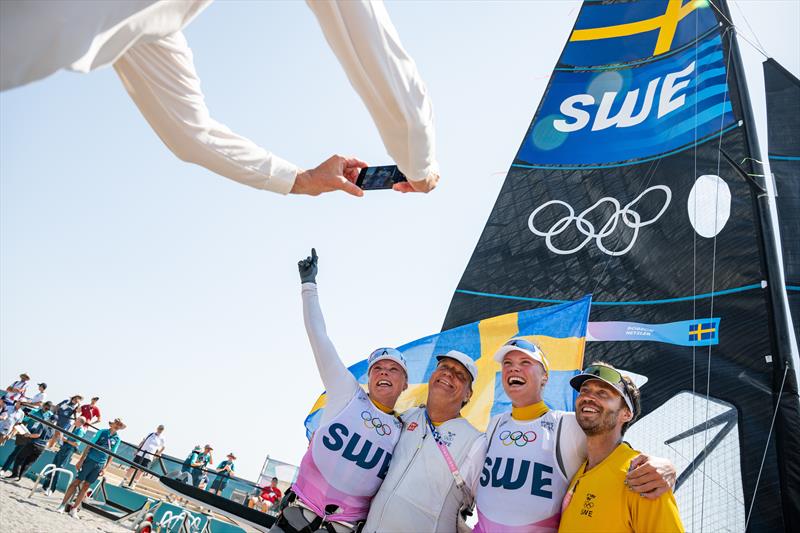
[[597, 498], [534, 451]]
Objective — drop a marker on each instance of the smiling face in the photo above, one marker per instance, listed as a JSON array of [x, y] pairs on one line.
[[450, 384], [600, 409], [523, 378], [387, 380]]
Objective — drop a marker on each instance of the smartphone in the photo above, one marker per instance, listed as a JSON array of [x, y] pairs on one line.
[[375, 178]]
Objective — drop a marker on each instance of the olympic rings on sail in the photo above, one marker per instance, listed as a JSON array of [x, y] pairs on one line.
[[516, 437], [627, 214], [375, 423]]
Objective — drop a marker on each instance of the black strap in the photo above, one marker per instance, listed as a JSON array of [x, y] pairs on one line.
[[558, 449]]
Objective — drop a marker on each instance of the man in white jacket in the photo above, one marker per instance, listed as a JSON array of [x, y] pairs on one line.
[[143, 40], [437, 461]]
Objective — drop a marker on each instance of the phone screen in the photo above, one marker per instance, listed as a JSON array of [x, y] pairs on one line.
[[375, 178]]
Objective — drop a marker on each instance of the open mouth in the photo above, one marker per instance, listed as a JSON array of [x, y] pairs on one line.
[[589, 409], [516, 382], [383, 383], [445, 382]]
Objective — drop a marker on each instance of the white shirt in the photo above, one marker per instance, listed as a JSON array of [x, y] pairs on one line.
[[39, 397], [151, 444], [11, 397], [144, 42], [12, 418]]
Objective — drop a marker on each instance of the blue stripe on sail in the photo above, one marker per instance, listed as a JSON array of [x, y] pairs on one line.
[[628, 163], [784, 157], [633, 302], [793, 287], [710, 58]]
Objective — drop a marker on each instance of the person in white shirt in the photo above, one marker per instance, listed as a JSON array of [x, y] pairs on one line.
[[147, 451], [437, 461], [39, 398], [144, 42], [16, 391], [9, 418]]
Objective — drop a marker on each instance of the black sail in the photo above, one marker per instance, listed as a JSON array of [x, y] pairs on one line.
[[620, 189]]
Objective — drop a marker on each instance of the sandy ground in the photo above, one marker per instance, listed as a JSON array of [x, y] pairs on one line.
[[20, 514]]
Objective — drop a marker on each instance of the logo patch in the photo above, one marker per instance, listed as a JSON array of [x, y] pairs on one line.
[[412, 426]]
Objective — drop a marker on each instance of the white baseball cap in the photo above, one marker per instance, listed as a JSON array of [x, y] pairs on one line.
[[530, 349], [387, 353], [464, 359]]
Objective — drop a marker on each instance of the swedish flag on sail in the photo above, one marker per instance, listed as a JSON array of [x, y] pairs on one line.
[[560, 331]]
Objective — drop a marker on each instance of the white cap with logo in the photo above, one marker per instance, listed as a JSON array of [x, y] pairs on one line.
[[387, 353], [530, 349]]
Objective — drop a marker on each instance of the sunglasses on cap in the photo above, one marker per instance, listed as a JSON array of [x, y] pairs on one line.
[[613, 377], [522, 343]]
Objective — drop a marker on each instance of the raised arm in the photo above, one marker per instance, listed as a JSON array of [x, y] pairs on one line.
[[340, 385], [366, 43]]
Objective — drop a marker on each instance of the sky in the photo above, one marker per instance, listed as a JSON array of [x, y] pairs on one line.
[[173, 294]]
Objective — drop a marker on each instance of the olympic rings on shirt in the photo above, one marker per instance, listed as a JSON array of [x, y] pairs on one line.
[[516, 437], [375, 423]]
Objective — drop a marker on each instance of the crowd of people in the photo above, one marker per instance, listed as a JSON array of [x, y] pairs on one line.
[[20, 417]]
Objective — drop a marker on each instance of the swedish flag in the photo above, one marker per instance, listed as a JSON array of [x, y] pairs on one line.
[[702, 331], [560, 331]]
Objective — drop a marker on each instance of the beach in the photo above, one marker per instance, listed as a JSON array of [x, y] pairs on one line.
[[21, 514]]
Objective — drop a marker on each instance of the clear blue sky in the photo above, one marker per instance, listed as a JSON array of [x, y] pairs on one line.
[[172, 293]]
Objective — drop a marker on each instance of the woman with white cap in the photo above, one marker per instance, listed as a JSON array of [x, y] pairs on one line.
[[349, 453], [534, 452]]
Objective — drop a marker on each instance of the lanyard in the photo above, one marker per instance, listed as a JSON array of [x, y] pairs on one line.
[[451, 464]]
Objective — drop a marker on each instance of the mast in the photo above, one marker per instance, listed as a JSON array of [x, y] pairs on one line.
[[787, 416]]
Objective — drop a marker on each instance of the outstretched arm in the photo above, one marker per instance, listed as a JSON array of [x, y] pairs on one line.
[[340, 385], [161, 79], [366, 43], [650, 476]]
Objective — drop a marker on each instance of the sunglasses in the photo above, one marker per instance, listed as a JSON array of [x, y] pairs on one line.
[[612, 376], [522, 343]]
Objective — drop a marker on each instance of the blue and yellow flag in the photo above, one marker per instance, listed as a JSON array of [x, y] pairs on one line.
[[560, 330]]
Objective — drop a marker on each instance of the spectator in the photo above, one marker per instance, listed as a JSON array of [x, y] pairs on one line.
[[11, 416], [150, 447], [65, 414], [30, 425], [199, 476], [269, 499], [186, 468], [64, 455], [34, 444], [16, 391], [91, 412], [92, 465], [224, 471], [39, 398]]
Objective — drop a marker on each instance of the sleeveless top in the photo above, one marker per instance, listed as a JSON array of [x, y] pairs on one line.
[[523, 480], [347, 460]]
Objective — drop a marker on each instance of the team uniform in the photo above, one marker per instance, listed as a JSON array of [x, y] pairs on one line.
[[222, 477], [419, 492], [349, 453], [95, 460], [34, 448], [599, 500], [198, 473], [63, 456], [526, 471]]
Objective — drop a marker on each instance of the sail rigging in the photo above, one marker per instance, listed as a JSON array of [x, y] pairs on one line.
[[620, 189]]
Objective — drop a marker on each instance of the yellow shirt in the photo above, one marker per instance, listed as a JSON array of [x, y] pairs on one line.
[[599, 501]]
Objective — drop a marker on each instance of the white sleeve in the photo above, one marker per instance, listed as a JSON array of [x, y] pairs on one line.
[[571, 444], [365, 41], [340, 385], [161, 78], [471, 470]]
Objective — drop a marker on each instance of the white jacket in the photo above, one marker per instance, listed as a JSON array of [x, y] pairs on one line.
[[144, 42], [419, 493]]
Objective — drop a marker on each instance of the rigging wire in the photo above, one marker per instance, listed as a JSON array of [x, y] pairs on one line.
[[766, 445], [694, 270], [758, 48], [731, 35]]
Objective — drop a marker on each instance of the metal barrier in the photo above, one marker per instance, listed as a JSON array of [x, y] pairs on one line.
[[49, 469]]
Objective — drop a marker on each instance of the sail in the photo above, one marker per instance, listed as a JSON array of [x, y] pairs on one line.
[[620, 189], [783, 127]]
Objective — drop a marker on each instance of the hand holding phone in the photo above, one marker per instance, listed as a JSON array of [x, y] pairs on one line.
[[377, 178]]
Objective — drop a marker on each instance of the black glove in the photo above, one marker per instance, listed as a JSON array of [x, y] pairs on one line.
[[308, 268]]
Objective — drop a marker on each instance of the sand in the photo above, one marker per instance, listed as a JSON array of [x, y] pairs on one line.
[[20, 514]]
